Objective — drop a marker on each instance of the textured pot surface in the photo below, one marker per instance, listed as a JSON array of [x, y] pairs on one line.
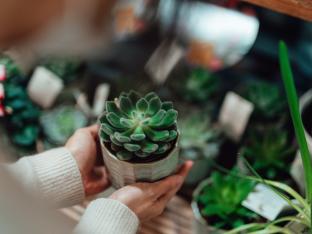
[[200, 225], [124, 173]]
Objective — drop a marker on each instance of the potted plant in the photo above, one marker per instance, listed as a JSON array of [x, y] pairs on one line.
[[269, 152], [199, 85], [139, 138], [267, 99], [59, 124], [217, 204], [199, 141], [300, 222]]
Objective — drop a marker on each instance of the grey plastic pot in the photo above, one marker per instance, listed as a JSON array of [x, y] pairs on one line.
[[123, 173], [200, 225]]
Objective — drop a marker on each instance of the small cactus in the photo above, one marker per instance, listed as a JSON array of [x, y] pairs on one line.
[[139, 127]]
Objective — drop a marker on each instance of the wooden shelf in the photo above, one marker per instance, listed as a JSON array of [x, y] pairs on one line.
[[298, 8]]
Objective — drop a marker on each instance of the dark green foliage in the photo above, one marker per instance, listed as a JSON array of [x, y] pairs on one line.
[[11, 67], [198, 138], [267, 98], [23, 115], [200, 85], [220, 201], [139, 127], [269, 152]]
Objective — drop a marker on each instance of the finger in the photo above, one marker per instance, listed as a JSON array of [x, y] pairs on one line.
[[93, 129], [172, 182], [98, 181]]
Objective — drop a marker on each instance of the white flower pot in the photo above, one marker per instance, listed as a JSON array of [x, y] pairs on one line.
[[124, 173]]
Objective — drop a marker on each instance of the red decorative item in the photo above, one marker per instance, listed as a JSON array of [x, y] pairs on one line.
[[2, 73]]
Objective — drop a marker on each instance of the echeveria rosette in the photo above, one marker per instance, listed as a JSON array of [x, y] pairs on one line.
[[139, 127]]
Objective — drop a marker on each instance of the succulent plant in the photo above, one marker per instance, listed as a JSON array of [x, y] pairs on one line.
[[269, 152], [138, 127], [266, 97], [198, 139], [220, 201], [11, 67], [200, 85]]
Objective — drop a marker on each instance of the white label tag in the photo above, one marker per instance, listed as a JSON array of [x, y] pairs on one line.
[[2, 72], [163, 60], [234, 115], [101, 95], [265, 202], [44, 87]]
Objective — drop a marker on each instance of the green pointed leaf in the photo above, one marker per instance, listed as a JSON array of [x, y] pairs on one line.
[[121, 138], [126, 123], [112, 107], [113, 119], [138, 137], [124, 155], [142, 105], [163, 149], [108, 129], [141, 154], [149, 147], [172, 135], [167, 106], [132, 147], [156, 135], [134, 96], [126, 105], [104, 136], [153, 106], [156, 119], [169, 120], [115, 141], [150, 95]]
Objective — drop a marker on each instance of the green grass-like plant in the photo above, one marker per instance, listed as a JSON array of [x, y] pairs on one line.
[[139, 127], [220, 201]]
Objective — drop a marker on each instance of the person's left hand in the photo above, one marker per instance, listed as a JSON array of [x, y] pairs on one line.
[[83, 147]]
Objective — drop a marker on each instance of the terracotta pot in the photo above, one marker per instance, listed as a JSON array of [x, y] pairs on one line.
[[124, 173]]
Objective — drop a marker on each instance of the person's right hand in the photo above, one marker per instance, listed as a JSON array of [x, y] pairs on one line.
[[148, 200]]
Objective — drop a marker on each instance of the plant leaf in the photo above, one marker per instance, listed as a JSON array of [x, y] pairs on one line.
[[142, 105], [156, 119], [149, 147], [150, 95], [113, 119], [132, 147], [138, 136], [124, 155], [156, 135], [153, 106], [126, 105], [167, 106], [121, 138]]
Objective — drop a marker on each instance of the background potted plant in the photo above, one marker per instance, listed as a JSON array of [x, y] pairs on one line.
[[139, 138], [199, 141], [217, 204], [269, 152]]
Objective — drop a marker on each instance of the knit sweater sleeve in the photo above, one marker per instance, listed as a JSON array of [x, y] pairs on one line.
[[107, 216], [52, 176]]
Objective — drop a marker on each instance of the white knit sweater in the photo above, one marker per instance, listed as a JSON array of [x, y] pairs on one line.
[[55, 179]]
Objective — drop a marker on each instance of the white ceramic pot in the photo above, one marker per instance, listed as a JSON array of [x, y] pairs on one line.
[[200, 225], [124, 173]]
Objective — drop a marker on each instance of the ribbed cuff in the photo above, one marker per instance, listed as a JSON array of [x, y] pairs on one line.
[[58, 177], [106, 216]]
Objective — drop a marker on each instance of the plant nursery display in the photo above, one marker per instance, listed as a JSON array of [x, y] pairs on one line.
[[300, 222], [139, 138], [269, 152], [217, 203], [200, 142]]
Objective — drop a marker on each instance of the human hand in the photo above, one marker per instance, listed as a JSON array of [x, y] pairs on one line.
[[148, 200], [83, 147]]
